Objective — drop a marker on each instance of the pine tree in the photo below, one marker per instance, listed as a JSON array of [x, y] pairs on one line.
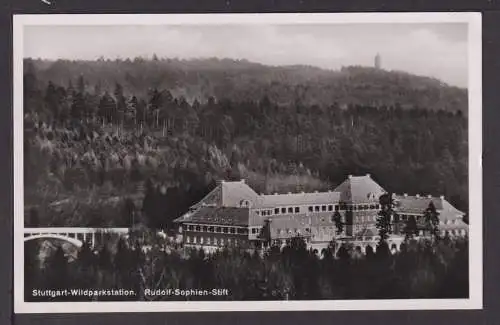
[[121, 103], [107, 108], [337, 219], [149, 204], [104, 258], [57, 270], [51, 99], [265, 232], [79, 107], [154, 106], [431, 218], [128, 212], [86, 266], [80, 84], [385, 216], [132, 112]]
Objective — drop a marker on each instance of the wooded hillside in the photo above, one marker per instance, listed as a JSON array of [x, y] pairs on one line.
[[95, 132]]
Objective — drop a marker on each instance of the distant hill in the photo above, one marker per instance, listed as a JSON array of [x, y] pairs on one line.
[[244, 80]]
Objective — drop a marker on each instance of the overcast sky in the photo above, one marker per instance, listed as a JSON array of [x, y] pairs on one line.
[[436, 50]]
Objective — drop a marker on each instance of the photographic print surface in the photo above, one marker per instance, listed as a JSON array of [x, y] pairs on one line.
[[247, 162]]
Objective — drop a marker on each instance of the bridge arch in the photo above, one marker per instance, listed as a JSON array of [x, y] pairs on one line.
[[76, 242]]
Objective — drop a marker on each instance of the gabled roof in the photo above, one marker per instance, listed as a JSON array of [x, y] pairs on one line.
[[234, 192], [450, 209], [229, 216], [418, 204], [414, 204], [228, 194], [359, 189], [293, 199]]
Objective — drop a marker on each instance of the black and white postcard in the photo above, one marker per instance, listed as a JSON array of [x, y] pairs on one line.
[[245, 162]]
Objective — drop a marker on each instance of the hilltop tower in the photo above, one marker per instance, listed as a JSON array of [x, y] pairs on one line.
[[377, 61]]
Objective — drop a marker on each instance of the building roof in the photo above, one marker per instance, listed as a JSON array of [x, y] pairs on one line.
[[449, 216], [228, 194], [355, 189], [359, 189], [231, 203], [418, 204], [229, 216], [234, 192], [293, 199]]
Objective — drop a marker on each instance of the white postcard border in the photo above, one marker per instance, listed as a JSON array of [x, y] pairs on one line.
[[475, 300]]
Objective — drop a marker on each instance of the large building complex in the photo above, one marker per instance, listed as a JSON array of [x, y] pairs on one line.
[[233, 214]]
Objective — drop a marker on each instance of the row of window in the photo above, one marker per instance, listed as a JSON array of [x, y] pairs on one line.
[[280, 242], [212, 241], [455, 232], [343, 207], [256, 230], [218, 229], [449, 222], [275, 211], [234, 241], [366, 218], [318, 208], [405, 217], [291, 231]]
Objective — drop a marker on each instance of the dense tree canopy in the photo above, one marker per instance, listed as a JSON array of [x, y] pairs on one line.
[[243, 80], [90, 147], [420, 270]]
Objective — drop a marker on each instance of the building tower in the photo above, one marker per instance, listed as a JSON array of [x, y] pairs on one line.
[[377, 61]]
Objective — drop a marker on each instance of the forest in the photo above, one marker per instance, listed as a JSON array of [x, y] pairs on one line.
[[422, 269], [101, 136], [241, 80]]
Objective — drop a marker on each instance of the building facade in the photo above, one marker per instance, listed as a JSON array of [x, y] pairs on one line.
[[234, 215]]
